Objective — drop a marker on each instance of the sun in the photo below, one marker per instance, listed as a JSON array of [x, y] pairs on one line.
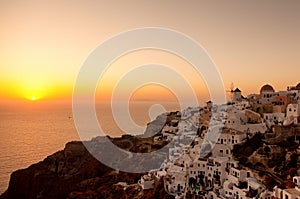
[[33, 98]]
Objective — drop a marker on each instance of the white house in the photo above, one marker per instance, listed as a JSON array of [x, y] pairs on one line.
[[292, 114], [146, 182], [290, 194], [242, 105], [241, 184], [293, 193], [176, 179], [213, 171], [274, 118], [231, 137], [238, 120], [221, 150]]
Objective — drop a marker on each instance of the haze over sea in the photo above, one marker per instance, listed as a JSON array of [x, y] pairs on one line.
[[29, 134]]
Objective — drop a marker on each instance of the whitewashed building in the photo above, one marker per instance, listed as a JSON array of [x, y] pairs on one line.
[[146, 182], [293, 193], [292, 114], [241, 184], [230, 137], [274, 118]]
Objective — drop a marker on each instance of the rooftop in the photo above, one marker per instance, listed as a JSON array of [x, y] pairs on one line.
[[294, 192], [237, 90]]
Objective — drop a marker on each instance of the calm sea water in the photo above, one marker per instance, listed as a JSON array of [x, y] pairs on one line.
[[28, 135]]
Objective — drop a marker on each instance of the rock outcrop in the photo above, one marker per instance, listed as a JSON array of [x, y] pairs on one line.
[[75, 173]]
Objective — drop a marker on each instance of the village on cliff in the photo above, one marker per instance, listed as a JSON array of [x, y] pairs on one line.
[[255, 154]]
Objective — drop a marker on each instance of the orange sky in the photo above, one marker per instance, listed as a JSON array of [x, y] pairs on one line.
[[44, 43]]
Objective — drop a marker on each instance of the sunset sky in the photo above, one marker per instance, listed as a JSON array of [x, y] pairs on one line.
[[44, 43]]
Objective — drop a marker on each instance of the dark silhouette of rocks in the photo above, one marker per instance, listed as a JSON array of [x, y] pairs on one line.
[[75, 173]]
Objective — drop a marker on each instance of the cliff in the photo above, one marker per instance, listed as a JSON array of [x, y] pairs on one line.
[[75, 173]]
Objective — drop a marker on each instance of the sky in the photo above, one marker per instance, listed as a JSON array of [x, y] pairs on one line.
[[45, 43]]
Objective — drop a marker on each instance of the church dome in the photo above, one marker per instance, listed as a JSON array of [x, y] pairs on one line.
[[267, 88]]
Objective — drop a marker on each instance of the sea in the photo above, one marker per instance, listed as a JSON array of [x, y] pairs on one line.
[[31, 132]]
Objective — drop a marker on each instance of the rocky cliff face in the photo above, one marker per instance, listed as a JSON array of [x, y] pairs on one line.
[[275, 163], [75, 173]]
